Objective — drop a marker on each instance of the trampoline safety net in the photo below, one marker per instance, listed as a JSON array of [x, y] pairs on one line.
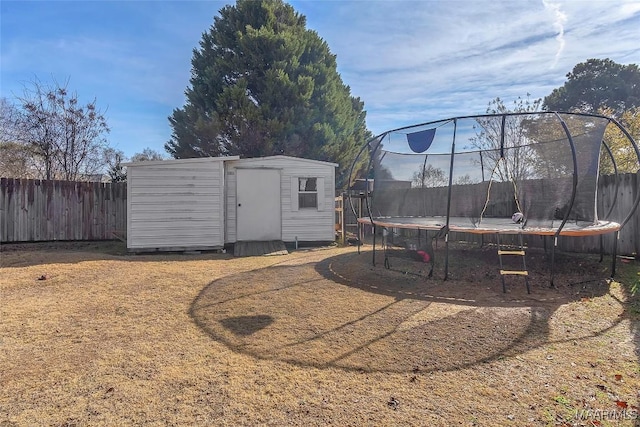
[[526, 170]]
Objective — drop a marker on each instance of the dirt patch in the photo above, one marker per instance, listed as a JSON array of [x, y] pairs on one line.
[[317, 337]]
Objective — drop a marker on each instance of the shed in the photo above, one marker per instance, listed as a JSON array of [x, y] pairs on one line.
[[205, 203]]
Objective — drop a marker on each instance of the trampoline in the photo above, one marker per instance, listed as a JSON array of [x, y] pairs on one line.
[[518, 174], [493, 226]]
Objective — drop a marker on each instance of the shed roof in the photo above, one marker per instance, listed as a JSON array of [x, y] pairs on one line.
[[181, 161], [283, 157], [223, 159]]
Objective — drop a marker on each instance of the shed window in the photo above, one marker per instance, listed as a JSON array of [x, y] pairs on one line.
[[307, 192]]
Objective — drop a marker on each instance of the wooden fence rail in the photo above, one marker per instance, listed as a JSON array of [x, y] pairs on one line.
[[47, 210]]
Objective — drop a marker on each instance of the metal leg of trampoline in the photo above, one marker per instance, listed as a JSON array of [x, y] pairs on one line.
[[373, 261], [385, 248], [601, 247], [553, 256], [615, 254], [446, 256]]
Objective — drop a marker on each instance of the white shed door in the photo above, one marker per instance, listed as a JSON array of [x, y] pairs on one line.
[[258, 209]]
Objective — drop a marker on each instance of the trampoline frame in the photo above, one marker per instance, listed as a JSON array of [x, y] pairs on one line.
[[601, 228]]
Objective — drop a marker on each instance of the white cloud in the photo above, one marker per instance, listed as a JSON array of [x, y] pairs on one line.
[[559, 20]]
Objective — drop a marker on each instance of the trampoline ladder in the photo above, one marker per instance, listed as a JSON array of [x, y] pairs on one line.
[[520, 253]]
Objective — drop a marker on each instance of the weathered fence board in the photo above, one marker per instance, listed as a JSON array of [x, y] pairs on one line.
[[47, 210]]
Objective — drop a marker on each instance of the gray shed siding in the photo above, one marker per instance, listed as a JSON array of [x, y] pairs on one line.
[[175, 204], [300, 224]]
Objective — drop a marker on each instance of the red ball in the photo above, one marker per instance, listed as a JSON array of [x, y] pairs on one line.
[[425, 256]]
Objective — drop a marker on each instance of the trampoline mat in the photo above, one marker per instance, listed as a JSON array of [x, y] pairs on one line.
[[494, 225]]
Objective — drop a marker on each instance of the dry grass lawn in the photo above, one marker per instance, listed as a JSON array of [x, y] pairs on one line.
[[90, 335]]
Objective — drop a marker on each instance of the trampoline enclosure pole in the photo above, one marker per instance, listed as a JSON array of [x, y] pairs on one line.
[[446, 236], [615, 197], [635, 203], [573, 192]]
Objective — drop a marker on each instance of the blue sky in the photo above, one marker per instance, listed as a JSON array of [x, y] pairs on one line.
[[409, 61]]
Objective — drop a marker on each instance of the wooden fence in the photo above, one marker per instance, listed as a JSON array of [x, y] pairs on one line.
[[47, 210], [41, 210], [629, 238]]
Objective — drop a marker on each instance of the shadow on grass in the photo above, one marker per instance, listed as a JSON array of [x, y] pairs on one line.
[[246, 325], [341, 312], [38, 253]]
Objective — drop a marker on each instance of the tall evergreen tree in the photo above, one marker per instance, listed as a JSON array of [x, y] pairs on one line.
[[262, 84]]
